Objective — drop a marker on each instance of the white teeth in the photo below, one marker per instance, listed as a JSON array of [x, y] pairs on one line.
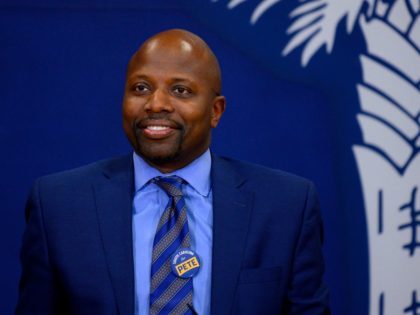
[[157, 128]]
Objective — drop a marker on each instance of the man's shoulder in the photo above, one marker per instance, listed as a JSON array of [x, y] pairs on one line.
[[256, 174], [87, 173]]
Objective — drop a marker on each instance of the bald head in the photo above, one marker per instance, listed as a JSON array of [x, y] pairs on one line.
[[185, 46]]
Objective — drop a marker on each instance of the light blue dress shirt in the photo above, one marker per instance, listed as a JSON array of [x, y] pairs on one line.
[[148, 205]]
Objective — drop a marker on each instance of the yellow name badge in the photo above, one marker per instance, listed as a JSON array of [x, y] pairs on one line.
[[185, 263], [187, 266]]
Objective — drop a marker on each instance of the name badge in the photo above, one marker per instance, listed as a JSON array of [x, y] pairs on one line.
[[185, 263]]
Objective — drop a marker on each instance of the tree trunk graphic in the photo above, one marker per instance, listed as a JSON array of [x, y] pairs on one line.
[[389, 161]]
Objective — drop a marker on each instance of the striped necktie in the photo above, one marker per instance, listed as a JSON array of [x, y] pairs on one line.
[[170, 294]]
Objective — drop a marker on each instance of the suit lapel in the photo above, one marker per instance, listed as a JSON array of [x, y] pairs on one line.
[[113, 193], [231, 212]]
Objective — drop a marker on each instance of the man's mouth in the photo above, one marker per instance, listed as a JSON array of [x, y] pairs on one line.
[[158, 129], [157, 132]]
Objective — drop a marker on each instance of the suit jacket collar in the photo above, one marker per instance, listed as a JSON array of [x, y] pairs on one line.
[[231, 213], [114, 193]]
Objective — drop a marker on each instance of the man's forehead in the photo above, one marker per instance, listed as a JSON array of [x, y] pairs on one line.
[[162, 61], [177, 50], [170, 54], [180, 56], [172, 48]]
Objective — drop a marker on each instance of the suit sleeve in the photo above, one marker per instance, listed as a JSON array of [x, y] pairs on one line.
[[308, 294], [37, 292]]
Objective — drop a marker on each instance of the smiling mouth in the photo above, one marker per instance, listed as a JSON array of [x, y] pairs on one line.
[[157, 132], [157, 128]]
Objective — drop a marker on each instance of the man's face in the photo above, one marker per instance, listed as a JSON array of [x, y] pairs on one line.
[[169, 105]]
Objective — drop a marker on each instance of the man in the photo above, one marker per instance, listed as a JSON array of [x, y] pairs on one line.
[[172, 228]]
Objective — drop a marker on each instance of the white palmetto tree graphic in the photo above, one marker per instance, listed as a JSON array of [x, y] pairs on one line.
[[389, 158]]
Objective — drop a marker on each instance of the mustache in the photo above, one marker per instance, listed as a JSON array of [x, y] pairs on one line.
[[152, 118]]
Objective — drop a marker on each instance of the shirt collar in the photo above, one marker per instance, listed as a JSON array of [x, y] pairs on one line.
[[197, 173]]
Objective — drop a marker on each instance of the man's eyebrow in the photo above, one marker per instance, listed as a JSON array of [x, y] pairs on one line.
[[146, 77], [138, 76], [179, 80]]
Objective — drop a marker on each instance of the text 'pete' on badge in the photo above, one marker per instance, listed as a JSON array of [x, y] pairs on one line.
[[185, 263]]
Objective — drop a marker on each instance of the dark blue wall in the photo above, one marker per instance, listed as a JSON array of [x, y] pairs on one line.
[[62, 71]]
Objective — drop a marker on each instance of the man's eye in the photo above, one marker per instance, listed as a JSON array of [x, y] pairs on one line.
[[141, 88], [182, 91]]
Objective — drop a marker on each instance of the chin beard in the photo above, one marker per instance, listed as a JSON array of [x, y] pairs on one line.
[[160, 159], [155, 155]]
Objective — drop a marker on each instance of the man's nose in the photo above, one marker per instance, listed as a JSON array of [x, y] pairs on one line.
[[159, 101]]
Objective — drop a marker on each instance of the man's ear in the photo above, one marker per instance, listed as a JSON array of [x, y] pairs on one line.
[[218, 108]]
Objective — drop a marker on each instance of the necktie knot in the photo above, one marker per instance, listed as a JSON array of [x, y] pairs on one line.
[[171, 184]]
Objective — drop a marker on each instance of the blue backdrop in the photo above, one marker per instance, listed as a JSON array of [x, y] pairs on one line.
[[62, 71]]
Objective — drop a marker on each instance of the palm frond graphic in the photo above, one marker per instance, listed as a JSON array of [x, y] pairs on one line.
[[260, 9], [316, 23]]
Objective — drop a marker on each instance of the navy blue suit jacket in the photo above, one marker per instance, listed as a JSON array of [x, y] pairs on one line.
[[77, 254]]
